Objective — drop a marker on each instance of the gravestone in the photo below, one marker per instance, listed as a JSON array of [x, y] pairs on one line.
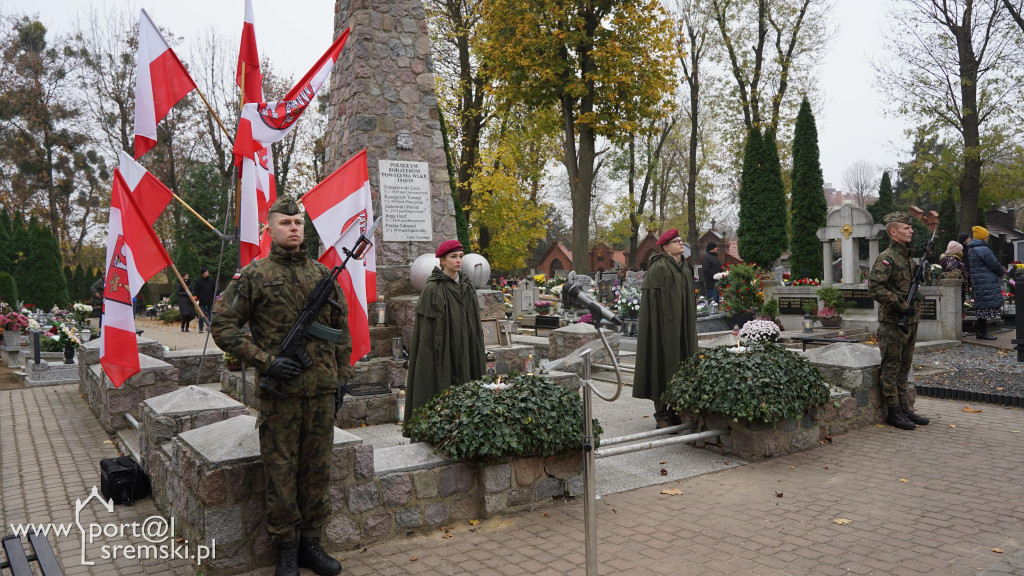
[[523, 297]]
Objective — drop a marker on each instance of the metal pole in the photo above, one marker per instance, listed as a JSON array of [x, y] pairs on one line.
[[1019, 340], [35, 346], [589, 513]]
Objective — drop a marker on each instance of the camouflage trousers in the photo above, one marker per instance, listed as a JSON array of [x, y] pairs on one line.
[[296, 442], [897, 351]]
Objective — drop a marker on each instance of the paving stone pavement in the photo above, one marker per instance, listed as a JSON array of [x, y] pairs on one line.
[[936, 500]]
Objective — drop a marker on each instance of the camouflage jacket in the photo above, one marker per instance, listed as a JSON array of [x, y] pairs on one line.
[[889, 283], [268, 295]]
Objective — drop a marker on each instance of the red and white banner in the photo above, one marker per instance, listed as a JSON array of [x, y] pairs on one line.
[[261, 124], [248, 76], [161, 81], [258, 186], [149, 192], [341, 210], [134, 255]]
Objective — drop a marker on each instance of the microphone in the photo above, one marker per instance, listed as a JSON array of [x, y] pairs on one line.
[[570, 291]]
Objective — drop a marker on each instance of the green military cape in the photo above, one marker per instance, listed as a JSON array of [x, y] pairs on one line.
[[668, 326], [447, 339]]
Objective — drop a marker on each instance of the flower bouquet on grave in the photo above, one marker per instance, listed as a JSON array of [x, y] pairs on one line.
[[543, 307], [760, 331], [11, 321], [81, 312]]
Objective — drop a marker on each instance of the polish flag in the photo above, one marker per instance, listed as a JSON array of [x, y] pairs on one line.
[[249, 61], [134, 255], [341, 210], [160, 82], [149, 193], [258, 191], [258, 185], [261, 124]]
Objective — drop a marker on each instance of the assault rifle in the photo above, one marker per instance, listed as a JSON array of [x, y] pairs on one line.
[[294, 344], [931, 220]]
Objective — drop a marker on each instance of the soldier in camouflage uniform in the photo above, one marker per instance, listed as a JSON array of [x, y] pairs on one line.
[[296, 433], [889, 284]]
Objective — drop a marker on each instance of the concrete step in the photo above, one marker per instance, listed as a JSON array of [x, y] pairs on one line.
[[128, 439]]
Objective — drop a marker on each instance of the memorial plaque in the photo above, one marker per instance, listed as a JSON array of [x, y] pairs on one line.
[[405, 200], [585, 282], [929, 309], [794, 305], [367, 388], [858, 298]]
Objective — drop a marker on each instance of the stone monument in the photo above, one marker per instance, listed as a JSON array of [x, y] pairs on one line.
[[848, 224], [382, 99]]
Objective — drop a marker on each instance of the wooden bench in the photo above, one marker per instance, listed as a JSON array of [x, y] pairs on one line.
[[18, 561], [821, 340]]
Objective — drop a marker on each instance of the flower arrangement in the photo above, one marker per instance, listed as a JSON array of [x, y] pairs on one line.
[[627, 299], [831, 297], [805, 282], [742, 289], [760, 331], [543, 306], [586, 318], [81, 312], [11, 320], [60, 336], [538, 278], [827, 313]]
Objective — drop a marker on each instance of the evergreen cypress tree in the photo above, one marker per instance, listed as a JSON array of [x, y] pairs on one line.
[[68, 284], [885, 204], [19, 252], [77, 290], [762, 233], [948, 225], [5, 241], [809, 208], [8, 289], [40, 277]]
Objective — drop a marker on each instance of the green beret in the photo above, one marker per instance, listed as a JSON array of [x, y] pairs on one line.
[[285, 205], [896, 217]]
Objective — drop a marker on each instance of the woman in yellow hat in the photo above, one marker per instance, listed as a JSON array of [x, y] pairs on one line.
[[985, 278]]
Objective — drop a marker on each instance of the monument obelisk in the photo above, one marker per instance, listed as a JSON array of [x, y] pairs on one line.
[[382, 99]]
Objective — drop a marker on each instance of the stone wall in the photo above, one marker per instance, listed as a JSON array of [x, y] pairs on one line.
[[191, 363], [110, 404]]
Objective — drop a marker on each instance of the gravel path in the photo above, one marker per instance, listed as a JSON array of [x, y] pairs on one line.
[[974, 368]]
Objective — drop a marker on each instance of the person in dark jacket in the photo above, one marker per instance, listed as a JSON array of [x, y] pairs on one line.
[[985, 278], [206, 289], [186, 307], [668, 325], [447, 338], [709, 266]]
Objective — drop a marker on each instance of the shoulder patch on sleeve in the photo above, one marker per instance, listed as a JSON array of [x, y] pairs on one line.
[[885, 261]]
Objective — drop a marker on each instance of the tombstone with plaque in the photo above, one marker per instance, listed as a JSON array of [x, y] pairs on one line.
[[523, 297]]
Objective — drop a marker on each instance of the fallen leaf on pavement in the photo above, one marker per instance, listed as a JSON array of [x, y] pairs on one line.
[[903, 479], [673, 492], [826, 467], [413, 559], [778, 494], [879, 425], [997, 550], [661, 463], [972, 410], [792, 467], [474, 522], [952, 425], [664, 472], [841, 521], [1014, 431], [447, 535], [545, 514]]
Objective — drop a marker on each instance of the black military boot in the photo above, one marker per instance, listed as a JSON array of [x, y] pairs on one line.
[[915, 418], [896, 419], [981, 326], [287, 560], [312, 556]]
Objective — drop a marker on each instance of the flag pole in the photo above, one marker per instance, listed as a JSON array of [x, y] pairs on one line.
[[215, 117], [195, 303], [196, 214]]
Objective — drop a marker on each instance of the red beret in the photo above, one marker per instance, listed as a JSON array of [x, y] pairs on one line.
[[446, 247], [668, 236]]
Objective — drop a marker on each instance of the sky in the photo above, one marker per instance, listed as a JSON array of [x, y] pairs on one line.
[[850, 119]]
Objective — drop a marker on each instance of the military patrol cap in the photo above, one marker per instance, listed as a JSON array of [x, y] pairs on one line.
[[285, 205], [891, 217]]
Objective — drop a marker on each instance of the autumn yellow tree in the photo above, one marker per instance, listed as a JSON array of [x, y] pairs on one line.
[[507, 183], [605, 64]]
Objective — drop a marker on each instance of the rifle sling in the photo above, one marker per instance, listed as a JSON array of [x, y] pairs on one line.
[[325, 332]]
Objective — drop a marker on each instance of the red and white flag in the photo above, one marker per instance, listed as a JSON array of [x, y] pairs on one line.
[[261, 124], [160, 82], [341, 210], [248, 76], [149, 192], [258, 185], [134, 255]]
